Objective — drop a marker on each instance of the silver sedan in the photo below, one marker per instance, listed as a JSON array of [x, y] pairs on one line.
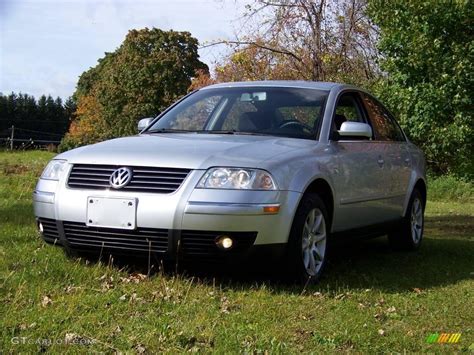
[[278, 169]]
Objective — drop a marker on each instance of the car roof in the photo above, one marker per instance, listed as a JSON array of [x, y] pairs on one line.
[[320, 85]]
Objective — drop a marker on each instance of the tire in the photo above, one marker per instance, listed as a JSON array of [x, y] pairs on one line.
[[409, 235], [308, 240]]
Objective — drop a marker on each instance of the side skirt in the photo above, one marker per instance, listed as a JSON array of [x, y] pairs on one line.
[[367, 232]]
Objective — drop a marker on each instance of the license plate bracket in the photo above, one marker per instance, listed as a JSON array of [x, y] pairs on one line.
[[108, 212]]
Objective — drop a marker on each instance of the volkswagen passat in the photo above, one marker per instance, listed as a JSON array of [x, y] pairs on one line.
[[232, 169]]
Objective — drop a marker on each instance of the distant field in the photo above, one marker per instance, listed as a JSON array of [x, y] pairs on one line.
[[371, 300]]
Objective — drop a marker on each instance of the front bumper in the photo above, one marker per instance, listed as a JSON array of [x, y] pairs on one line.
[[185, 222]]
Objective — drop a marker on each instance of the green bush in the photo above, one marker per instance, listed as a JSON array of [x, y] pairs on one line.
[[449, 187], [428, 53]]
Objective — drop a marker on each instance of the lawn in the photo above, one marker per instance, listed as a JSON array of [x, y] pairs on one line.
[[371, 299]]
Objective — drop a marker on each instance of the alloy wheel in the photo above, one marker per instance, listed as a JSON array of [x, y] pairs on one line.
[[416, 220], [314, 240]]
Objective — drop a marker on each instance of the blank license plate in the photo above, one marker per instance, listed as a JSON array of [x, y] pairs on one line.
[[112, 212]]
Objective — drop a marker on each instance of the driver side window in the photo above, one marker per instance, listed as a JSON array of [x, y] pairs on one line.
[[348, 109]]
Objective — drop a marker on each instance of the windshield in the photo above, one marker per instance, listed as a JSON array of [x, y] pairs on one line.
[[290, 112]]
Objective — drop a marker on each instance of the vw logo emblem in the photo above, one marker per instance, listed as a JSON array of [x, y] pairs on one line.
[[120, 178]]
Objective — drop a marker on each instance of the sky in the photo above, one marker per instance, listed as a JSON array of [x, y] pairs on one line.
[[46, 45]]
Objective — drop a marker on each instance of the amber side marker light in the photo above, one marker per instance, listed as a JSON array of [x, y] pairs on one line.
[[271, 209]]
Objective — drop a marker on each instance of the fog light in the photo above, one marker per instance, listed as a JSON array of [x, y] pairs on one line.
[[40, 227], [224, 242]]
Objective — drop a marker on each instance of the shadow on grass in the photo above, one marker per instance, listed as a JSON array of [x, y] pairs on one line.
[[455, 226], [446, 257]]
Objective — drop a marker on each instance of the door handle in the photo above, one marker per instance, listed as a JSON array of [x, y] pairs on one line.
[[380, 161]]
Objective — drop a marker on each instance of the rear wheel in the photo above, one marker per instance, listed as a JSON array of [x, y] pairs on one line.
[[308, 242], [410, 233]]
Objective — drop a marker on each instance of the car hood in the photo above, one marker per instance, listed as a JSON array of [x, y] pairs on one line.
[[186, 150]]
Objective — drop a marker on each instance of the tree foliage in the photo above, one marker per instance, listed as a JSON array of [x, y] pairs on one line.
[[46, 119], [148, 72], [303, 39], [428, 50]]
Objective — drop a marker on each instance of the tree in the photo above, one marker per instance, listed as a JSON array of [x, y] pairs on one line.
[[149, 71], [428, 51], [304, 39], [46, 119]]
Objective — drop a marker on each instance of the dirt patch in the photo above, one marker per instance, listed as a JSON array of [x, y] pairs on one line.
[[16, 169]]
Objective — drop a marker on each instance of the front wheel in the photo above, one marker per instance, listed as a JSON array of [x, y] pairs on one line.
[[308, 241], [410, 232]]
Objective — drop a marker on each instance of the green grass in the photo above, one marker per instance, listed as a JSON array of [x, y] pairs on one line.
[[371, 300], [451, 188]]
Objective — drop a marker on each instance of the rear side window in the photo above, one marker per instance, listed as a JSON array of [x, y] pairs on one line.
[[384, 126]]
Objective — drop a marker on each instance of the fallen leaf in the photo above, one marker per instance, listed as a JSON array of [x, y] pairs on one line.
[[70, 337], [417, 290], [139, 348], [69, 289], [135, 277], [391, 310], [225, 305], [46, 301], [106, 285], [381, 332], [134, 298], [380, 302], [123, 298], [73, 338]]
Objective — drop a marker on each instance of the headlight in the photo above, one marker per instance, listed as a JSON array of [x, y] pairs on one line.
[[237, 178], [54, 170]]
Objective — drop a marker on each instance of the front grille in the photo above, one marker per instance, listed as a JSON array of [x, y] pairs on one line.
[[142, 239], [50, 230], [145, 179], [203, 243]]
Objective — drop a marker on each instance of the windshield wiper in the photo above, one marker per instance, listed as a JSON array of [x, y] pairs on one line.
[[169, 130], [210, 131], [233, 131]]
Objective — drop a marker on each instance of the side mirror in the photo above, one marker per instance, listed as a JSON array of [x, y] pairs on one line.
[[143, 123], [355, 129]]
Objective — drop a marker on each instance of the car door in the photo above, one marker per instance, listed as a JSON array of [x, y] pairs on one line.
[[359, 178], [395, 155]]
